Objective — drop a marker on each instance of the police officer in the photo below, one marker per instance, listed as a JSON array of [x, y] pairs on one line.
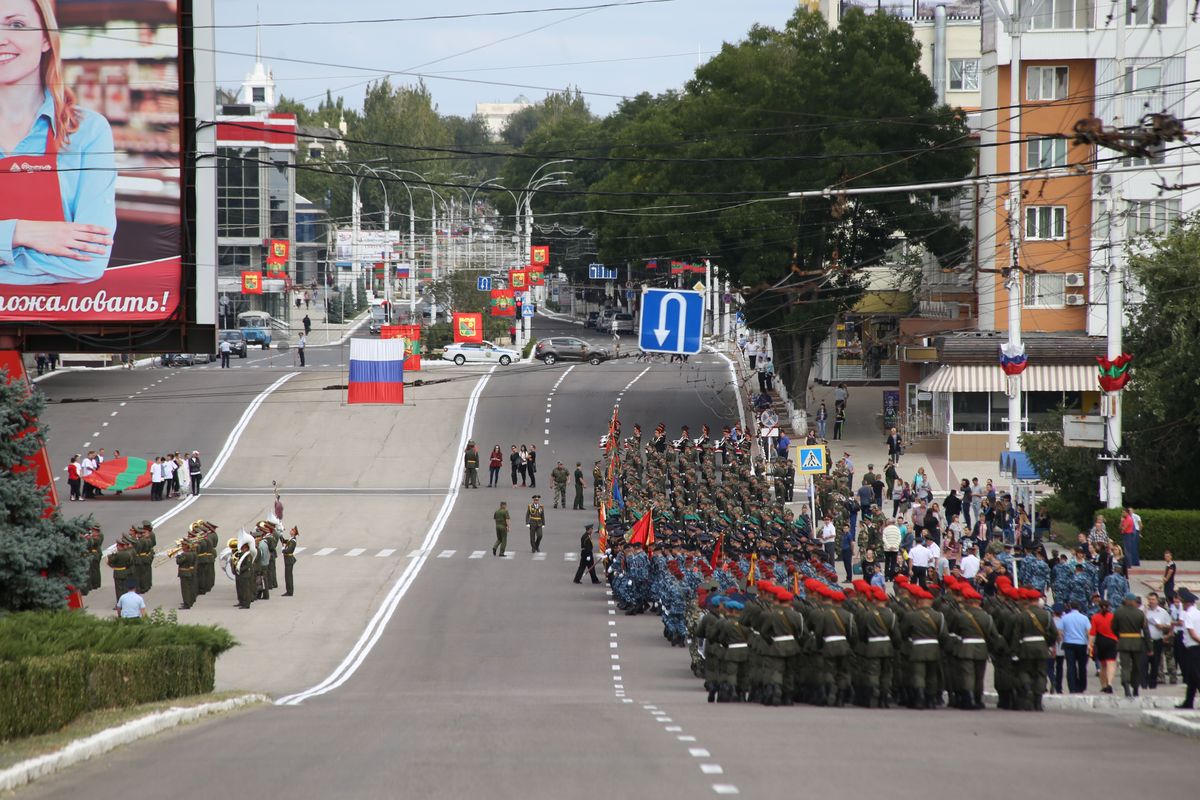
[[586, 559], [535, 518]]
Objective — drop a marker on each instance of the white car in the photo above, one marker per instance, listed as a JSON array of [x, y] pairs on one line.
[[486, 352]]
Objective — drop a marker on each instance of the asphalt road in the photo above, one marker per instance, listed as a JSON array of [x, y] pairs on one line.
[[499, 678]]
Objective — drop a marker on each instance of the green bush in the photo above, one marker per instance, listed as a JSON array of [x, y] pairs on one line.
[[39, 634], [1162, 529]]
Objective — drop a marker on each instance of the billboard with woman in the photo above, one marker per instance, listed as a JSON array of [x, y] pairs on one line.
[[89, 160]]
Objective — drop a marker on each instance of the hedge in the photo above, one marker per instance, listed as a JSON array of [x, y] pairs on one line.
[[1162, 529], [43, 694], [40, 634]]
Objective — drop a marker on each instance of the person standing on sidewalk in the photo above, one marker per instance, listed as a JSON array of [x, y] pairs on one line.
[[73, 479], [839, 421], [822, 416], [1158, 624], [300, 343]]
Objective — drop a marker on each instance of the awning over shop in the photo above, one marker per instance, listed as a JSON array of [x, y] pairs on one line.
[[990, 378]]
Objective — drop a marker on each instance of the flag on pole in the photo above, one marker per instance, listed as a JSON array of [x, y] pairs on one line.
[[750, 576], [643, 530], [617, 499], [603, 531], [716, 554], [376, 371]]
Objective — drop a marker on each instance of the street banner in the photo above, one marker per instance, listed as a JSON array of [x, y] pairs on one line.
[[252, 283], [376, 371], [277, 252], [468, 327], [502, 303], [537, 277], [518, 280], [539, 256]]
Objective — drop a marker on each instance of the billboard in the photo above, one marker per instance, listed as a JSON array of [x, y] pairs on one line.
[[91, 194]]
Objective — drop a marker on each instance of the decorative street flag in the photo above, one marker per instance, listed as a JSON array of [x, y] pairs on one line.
[[643, 530], [121, 474], [376, 371], [502, 303], [1012, 358], [540, 256], [468, 327], [652, 263], [277, 252], [518, 280], [1114, 374], [252, 283], [537, 277]]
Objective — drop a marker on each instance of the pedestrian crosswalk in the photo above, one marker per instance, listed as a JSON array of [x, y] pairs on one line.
[[389, 552]]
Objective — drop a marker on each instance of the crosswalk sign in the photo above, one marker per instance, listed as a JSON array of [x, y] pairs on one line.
[[811, 460]]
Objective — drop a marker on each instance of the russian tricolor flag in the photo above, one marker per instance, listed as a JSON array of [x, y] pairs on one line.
[[376, 371]]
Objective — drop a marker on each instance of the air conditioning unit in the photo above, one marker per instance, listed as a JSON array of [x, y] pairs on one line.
[[1075, 279], [1076, 300]]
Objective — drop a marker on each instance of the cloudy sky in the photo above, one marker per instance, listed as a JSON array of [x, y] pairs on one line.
[[607, 52]]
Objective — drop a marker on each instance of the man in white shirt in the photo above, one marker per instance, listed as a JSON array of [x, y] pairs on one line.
[[828, 540], [752, 353], [970, 565], [168, 476], [1158, 624], [891, 537], [920, 556], [86, 467], [1190, 624], [156, 479], [131, 606]]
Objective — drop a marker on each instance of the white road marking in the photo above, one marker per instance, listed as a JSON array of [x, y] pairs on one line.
[[613, 644], [663, 719], [725, 788], [355, 552], [113, 414], [539, 556], [711, 769], [570, 556], [547, 431], [300, 549], [507, 556], [324, 551], [616, 667], [612, 612], [477, 554], [87, 445], [123, 405], [698, 752], [447, 554], [686, 738], [547, 420], [615, 657], [94, 435], [375, 627], [415, 553], [613, 634], [672, 729], [105, 424], [612, 622], [546, 442], [385, 552]]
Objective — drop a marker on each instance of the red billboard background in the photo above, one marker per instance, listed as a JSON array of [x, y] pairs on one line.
[[116, 79]]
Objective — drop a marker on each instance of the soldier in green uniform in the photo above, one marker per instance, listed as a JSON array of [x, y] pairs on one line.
[[243, 562], [559, 476], [535, 518], [924, 630], [1031, 640], [289, 563], [976, 634], [1128, 623], [471, 466], [185, 562], [878, 634], [95, 547], [501, 516], [597, 485], [206, 555], [578, 504], [121, 561]]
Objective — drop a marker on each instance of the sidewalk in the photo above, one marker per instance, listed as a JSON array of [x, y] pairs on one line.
[[323, 333]]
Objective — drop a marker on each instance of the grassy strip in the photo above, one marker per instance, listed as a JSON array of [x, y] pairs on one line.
[[17, 750]]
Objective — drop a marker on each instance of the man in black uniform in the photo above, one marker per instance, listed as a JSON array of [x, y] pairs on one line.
[[578, 504], [587, 561]]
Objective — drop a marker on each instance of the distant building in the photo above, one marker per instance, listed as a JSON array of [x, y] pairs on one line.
[[496, 115]]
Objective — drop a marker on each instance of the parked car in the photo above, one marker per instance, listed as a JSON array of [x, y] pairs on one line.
[[486, 352], [191, 359], [569, 348], [623, 323], [256, 327], [592, 318], [604, 322], [236, 339], [376, 320]]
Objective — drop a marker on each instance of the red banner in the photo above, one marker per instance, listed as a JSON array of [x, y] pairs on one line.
[[540, 256], [536, 276], [277, 251], [134, 293], [468, 327], [252, 283], [502, 303], [518, 280]]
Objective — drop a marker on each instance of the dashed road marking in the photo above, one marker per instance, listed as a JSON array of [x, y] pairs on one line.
[[539, 556], [113, 414], [385, 553], [355, 552], [324, 551], [725, 788], [698, 752], [711, 769], [686, 738], [447, 554], [415, 553], [477, 554]]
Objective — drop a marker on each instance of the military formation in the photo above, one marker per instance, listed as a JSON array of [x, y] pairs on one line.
[[743, 582], [249, 560]]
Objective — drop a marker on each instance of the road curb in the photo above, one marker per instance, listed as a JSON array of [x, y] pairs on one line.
[[1183, 723], [100, 743]]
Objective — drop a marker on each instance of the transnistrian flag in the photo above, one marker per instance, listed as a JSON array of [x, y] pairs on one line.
[[643, 530], [121, 474], [376, 371], [468, 327]]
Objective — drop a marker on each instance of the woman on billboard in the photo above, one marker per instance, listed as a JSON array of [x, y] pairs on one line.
[[57, 165]]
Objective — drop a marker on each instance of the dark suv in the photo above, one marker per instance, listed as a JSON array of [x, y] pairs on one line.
[[236, 339], [568, 348]]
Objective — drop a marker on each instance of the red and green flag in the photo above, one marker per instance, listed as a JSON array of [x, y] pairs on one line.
[[121, 474], [1114, 373]]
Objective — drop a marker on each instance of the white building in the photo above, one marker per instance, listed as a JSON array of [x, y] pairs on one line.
[[496, 115]]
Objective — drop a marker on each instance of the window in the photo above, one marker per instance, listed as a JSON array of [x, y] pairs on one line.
[[279, 194], [1045, 290], [1150, 216], [232, 261], [237, 192], [964, 74], [1046, 222], [1146, 12], [998, 415], [1143, 80], [1041, 15], [1044, 153], [1045, 83], [258, 94], [970, 411]]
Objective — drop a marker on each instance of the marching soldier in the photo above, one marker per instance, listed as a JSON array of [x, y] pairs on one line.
[[501, 516], [975, 633], [185, 562], [289, 563], [535, 518], [121, 562], [143, 556], [578, 504], [270, 535], [1031, 639], [205, 536], [923, 630], [559, 477]]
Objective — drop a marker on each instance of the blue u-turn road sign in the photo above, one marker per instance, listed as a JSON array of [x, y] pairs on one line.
[[672, 321]]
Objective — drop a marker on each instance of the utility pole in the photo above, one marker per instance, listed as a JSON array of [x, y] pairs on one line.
[[355, 223], [1115, 304]]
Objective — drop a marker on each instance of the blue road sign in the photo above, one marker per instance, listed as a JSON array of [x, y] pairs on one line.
[[599, 272], [483, 283], [810, 460], [740, 319], [672, 321], [527, 310]]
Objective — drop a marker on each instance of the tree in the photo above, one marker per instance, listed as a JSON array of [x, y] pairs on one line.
[[1074, 472], [39, 555]]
